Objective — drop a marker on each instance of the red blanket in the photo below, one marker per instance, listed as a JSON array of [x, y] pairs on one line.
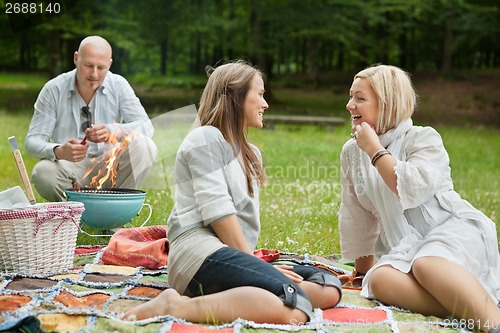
[[147, 247]]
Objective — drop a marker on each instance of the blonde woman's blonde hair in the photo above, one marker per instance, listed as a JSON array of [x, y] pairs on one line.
[[397, 99], [222, 106]]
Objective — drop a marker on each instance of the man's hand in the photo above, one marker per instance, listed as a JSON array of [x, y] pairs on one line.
[[72, 150], [97, 133]]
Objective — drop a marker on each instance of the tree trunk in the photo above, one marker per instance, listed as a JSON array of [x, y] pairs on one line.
[[263, 58], [197, 59], [232, 16], [447, 59], [403, 54], [303, 50], [22, 51], [54, 45], [340, 57], [312, 68], [163, 56]]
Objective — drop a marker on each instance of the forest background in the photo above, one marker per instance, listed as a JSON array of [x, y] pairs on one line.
[[169, 37], [309, 51]]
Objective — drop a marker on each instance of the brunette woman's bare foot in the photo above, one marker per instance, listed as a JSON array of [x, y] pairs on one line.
[[165, 303]]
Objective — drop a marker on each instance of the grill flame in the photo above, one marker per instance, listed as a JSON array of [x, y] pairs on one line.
[[110, 161]]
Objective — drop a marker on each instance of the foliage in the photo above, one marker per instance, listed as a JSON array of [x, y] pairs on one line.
[[280, 36]]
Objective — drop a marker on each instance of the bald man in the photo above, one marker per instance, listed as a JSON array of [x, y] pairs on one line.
[[79, 117]]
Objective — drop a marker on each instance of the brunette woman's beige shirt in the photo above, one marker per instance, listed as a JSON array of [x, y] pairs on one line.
[[210, 184]]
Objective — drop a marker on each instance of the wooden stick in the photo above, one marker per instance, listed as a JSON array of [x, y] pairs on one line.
[[22, 170]]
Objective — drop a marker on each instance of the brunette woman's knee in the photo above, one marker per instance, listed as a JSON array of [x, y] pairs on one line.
[[295, 317], [331, 297]]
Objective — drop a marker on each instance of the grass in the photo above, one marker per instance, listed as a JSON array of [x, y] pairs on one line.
[[300, 203], [17, 81]]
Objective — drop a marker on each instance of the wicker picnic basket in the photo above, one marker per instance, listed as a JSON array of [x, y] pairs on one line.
[[39, 239]]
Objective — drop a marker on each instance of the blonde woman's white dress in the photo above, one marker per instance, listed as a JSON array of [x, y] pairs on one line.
[[428, 218]]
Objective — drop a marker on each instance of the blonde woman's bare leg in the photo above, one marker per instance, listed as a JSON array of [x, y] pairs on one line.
[[402, 290], [458, 290], [437, 287], [221, 307]]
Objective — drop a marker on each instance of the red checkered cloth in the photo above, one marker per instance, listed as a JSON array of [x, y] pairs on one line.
[[46, 211], [34, 211]]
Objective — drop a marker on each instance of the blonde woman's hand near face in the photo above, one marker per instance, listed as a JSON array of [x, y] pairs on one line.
[[367, 139]]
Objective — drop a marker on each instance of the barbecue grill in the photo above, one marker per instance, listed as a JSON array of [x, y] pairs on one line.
[[108, 208]]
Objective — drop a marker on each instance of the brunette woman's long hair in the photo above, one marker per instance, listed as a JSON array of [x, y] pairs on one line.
[[222, 106]]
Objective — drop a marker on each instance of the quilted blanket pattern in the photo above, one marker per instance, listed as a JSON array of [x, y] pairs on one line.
[[92, 297]]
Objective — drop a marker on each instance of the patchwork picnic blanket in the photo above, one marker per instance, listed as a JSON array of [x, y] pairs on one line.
[[91, 297]]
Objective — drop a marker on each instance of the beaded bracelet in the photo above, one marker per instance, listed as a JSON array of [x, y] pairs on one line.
[[379, 154]]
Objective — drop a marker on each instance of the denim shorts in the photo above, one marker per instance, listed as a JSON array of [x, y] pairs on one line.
[[229, 268]]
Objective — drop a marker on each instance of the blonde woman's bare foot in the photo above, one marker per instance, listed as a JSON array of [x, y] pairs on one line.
[[164, 304]]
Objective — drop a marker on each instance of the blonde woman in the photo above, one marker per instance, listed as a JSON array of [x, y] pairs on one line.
[[421, 246], [214, 225]]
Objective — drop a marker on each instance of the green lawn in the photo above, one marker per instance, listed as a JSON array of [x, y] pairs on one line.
[[300, 203]]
